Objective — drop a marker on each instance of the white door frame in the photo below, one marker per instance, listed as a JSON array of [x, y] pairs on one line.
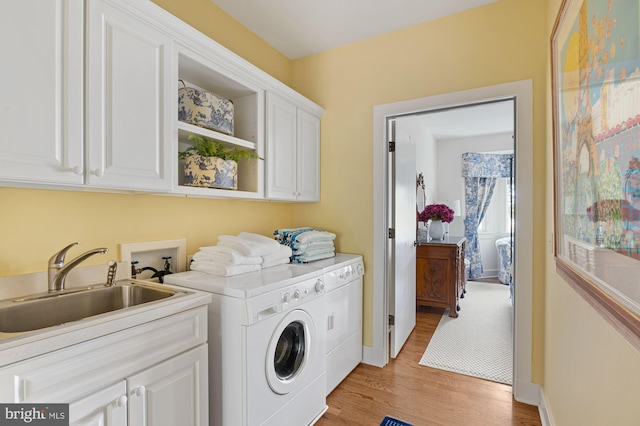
[[524, 390]]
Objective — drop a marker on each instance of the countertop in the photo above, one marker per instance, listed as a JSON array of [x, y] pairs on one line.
[[16, 347], [252, 284]]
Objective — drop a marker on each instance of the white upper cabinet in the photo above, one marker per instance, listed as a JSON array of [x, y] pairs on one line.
[[41, 77], [293, 151], [89, 98], [129, 82], [308, 156], [281, 148]]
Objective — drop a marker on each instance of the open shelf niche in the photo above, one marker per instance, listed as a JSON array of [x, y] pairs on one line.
[[248, 101]]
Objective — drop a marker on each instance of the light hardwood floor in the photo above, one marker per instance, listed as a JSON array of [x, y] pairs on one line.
[[421, 395]]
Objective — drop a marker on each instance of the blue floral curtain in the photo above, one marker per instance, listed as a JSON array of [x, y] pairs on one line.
[[480, 172]]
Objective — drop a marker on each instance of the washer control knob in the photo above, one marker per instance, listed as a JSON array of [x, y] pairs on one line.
[[360, 269], [286, 298], [319, 286], [296, 295]]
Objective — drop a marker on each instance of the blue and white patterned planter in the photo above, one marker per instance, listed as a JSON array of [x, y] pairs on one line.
[[210, 172], [206, 110]]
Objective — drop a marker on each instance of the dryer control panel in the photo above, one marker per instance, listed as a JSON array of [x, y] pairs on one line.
[[341, 276]]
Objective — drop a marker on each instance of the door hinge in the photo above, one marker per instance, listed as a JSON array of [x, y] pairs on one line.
[[392, 320], [392, 147], [392, 233]]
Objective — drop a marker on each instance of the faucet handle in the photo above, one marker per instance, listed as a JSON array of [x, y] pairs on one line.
[[111, 273], [58, 258]]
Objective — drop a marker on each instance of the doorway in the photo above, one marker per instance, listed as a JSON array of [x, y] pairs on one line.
[[378, 354]]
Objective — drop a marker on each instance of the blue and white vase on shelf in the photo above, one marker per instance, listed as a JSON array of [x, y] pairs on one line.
[[423, 233]]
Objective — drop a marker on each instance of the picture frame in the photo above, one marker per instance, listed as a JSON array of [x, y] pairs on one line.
[[595, 81]]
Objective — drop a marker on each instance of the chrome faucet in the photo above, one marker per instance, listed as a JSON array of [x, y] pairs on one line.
[[58, 270]]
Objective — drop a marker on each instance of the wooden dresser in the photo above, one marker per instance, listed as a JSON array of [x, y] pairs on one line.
[[440, 273]]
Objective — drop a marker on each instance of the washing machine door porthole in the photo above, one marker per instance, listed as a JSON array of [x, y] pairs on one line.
[[290, 351]]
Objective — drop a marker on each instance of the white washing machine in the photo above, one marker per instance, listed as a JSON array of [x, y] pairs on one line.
[[343, 275], [266, 345]]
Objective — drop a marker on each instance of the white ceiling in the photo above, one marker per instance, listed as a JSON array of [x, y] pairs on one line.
[[299, 28], [463, 122]]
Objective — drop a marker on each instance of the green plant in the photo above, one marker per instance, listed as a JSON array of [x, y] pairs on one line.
[[211, 148]]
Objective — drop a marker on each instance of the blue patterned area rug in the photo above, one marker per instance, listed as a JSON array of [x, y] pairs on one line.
[[479, 342], [390, 421]]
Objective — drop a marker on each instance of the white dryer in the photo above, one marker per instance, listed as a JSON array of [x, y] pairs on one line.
[[343, 276], [266, 345]]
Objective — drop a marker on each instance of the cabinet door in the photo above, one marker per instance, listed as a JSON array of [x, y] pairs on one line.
[[107, 407], [171, 393], [281, 148], [308, 158], [433, 276], [41, 131], [129, 102]]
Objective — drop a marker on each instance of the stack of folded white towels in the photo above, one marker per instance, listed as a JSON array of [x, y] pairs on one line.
[[245, 252], [307, 244]]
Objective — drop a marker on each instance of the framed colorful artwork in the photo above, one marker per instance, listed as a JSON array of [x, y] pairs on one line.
[[595, 52]]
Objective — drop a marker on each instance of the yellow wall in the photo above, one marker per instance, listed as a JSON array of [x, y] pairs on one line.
[[501, 42], [591, 374], [36, 223]]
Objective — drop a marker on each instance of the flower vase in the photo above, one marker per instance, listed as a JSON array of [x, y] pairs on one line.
[[423, 233], [436, 230]]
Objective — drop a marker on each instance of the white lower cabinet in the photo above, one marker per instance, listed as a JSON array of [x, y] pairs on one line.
[[170, 393], [106, 407], [167, 394], [153, 374]]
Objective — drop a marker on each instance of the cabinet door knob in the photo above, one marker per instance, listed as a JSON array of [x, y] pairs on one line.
[[140, 391], [98, 172], [76, 170], [121, 402]]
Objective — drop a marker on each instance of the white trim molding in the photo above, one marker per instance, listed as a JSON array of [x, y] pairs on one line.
[[522, 93]]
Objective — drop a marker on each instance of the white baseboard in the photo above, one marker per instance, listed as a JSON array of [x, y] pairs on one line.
[[526, 392], [373, 356], [542, 410]]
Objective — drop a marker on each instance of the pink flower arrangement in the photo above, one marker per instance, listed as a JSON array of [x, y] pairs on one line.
[[605, 210], [436, 212]]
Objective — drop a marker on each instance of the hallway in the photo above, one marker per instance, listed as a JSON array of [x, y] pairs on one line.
[[421, 395]]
